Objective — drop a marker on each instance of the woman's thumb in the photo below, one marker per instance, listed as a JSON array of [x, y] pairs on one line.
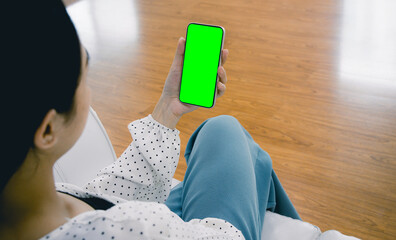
[[179, 51]]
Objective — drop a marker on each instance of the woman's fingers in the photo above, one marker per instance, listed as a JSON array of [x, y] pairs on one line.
[[222, 74], [220, 89], [177, 60], [224, 56]]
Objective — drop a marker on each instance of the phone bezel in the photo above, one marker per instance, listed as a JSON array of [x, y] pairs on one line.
[[219, 63]]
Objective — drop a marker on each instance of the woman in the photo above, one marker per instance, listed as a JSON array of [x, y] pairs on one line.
[[229, 182]]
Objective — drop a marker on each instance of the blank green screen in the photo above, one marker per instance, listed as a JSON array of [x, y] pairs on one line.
[[201, 61]]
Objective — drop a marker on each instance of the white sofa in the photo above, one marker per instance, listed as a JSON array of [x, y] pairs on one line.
[[93, 151]]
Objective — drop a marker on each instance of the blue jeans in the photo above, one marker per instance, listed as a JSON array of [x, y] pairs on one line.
[[229, 177]]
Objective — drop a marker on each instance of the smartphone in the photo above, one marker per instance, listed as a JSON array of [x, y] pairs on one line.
[[202, 58]]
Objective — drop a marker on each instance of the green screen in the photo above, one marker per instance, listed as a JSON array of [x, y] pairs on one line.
[[201, 61]]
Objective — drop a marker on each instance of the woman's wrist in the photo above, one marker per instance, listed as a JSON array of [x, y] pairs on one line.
[[163, 114]]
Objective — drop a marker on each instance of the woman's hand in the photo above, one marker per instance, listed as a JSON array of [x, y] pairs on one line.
[[169, 109]]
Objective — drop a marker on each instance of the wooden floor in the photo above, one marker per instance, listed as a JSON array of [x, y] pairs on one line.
[[314, 82]]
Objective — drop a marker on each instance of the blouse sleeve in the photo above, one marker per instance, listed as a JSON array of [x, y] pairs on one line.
[[144, 171]]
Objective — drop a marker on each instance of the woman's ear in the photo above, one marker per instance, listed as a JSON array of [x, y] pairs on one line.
[[45, 136]]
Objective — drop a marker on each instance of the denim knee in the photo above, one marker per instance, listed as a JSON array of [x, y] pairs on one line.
[[218, 136], [223, 123], [223, 118], [215, 133], [229, 124]]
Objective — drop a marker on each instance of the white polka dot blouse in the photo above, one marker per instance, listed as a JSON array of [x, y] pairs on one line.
[[138, 184]]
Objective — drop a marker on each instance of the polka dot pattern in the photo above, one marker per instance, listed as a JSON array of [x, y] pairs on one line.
[[142, 220], [144, 171], [138, 183]]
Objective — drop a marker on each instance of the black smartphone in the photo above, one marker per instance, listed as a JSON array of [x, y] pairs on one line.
[[202, 58]]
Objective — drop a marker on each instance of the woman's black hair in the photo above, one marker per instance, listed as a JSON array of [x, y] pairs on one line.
[[40, 69]]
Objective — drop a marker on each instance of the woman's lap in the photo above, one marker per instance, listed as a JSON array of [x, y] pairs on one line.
[[229, 177]]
